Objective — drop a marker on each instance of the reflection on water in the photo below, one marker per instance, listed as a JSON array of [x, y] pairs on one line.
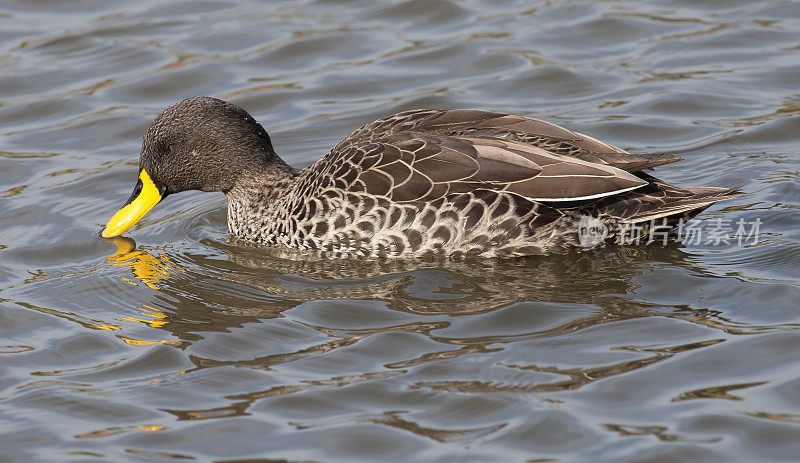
[[146, 268], [603, 277], [189, 345], [600, 282]]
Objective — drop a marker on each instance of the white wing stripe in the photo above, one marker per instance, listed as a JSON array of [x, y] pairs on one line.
[[581, 198]]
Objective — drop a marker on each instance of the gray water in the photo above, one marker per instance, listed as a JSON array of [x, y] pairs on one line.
[[186, 346]]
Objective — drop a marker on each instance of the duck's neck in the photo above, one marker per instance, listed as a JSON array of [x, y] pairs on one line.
[[258, 199], [268, 181]]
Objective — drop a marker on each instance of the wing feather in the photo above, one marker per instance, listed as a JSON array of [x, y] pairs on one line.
[[423, 155], [491, 125], [440, 165]]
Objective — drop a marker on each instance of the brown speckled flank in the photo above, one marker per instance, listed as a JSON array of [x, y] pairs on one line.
[[415, 184]]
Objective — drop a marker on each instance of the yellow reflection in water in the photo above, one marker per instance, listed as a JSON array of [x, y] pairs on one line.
[[142, 342], [119, 430], [108, 327], [160, 317], [146, 267]]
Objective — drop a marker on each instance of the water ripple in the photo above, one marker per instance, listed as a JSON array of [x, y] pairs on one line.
[[189, 345]]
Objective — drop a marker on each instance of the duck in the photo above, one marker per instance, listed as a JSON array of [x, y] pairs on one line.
[[421, 183]]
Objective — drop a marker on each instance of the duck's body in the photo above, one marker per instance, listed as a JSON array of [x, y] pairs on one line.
[[418, 183]]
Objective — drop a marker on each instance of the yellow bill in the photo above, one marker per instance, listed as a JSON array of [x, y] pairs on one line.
[[145, 196]]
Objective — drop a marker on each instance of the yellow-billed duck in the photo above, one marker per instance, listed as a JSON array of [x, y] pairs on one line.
[[417, 183]]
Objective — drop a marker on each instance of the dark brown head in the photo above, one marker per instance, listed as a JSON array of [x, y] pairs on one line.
[[201, 143]]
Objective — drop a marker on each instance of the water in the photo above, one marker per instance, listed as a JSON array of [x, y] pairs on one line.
[[184, 345]]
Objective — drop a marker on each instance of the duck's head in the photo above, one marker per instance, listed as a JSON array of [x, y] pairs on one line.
[[200, 143]]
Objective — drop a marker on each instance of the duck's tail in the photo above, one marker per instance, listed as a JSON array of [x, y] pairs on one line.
[[682, 206], [658, 204], [654, 211]]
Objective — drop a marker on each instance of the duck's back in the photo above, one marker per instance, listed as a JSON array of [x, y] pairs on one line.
[[464, 182]]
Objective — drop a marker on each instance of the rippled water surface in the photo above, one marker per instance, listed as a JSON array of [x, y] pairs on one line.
[[186, 346]]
